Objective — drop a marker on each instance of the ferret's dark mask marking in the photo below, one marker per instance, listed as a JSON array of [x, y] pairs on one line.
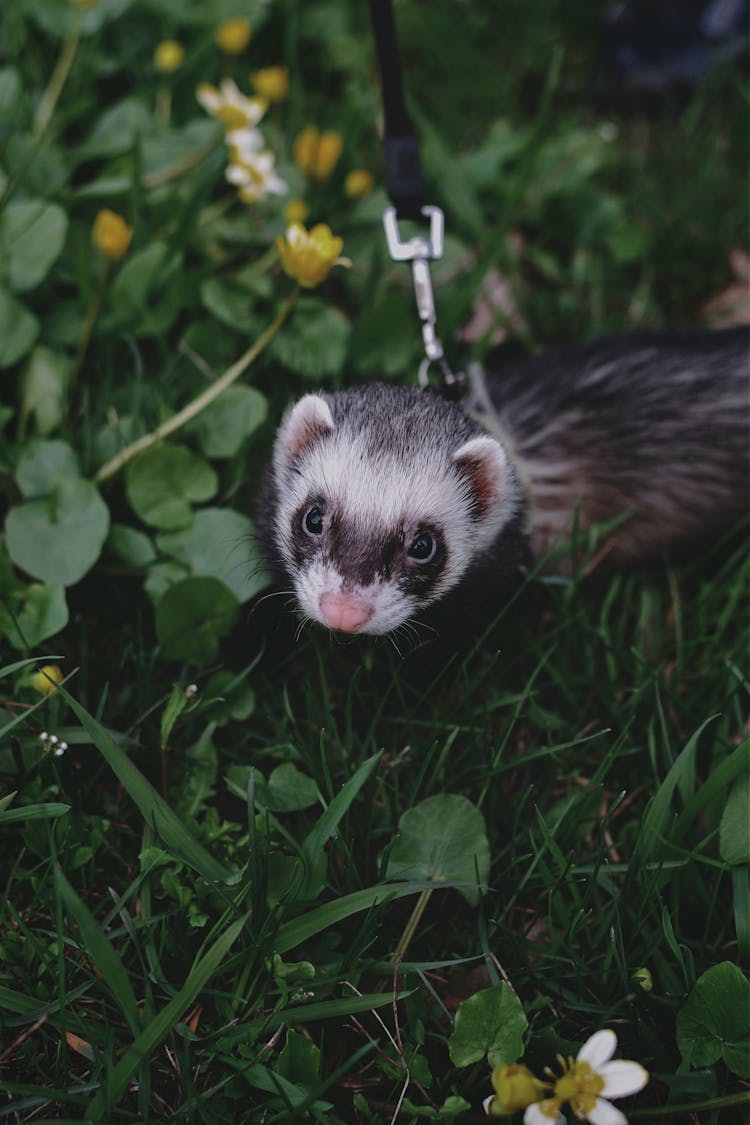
[[305, 545]]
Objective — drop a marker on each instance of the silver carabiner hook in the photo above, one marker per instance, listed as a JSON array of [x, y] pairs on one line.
[[420, 251]]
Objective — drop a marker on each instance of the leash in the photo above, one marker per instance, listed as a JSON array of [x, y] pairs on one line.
[[405, 187]]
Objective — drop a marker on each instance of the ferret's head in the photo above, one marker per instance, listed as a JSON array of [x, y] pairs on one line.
[[384, 498]]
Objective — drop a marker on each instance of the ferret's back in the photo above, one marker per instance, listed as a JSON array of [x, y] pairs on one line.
[[653, 424]]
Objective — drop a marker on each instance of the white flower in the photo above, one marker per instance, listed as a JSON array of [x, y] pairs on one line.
[[588, 1082], [233, 109], [254, 175]]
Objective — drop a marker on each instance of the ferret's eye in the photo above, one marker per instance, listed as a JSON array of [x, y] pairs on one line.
[[422, 547], [313, 522]]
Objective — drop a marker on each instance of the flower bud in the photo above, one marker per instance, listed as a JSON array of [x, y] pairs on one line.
[[111, 235], [233, 35], [296, 211], [316, 154], [271, 82], [358, 183], [168, 55]]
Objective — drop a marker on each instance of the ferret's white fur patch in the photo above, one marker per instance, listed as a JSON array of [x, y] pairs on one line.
[[390, 607]]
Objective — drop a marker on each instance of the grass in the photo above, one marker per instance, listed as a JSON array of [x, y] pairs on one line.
[[198, 919]]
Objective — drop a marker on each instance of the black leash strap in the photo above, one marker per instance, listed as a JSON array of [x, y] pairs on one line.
[[405, 187], [403, 167]]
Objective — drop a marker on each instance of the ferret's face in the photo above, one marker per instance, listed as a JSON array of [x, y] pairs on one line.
[[376, 522]]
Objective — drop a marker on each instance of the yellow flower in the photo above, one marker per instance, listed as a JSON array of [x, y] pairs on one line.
[[309, 256], [233, 35], [111, 234], [358, 183], [316, 154], [40, 681], [296, 211], [168, 55], [230, 107], [515, 1088], [271, 82]]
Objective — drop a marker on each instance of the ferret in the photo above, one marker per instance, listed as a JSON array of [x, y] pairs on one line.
[[388, 506]]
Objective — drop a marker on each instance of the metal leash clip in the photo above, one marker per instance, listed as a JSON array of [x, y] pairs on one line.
[[420, 251]]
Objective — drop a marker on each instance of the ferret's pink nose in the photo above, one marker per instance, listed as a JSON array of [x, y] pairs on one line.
[[340, 611]]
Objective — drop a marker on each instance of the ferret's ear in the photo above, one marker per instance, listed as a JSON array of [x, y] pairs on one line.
[[485, 465], [307, 421]]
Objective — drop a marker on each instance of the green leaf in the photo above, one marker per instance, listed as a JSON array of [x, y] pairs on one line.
[[42, 613], [153, 808], [116, 130], [10, 92], [102, 952], [203, 969], [491, 1023], [224, 425], [43, 385], [131, 547], [315, 342], [443, 839], [715, 1022], [231, 304], [286, 790], [164, 481], [176, 704], [219, 542], [450, 1108], [18, 329], [386, 337], [734, 829], [229, 696], [299, 1061], [145, 294], [58, 539], [161, 576], [42, 465], [32, 234], [192, 616]]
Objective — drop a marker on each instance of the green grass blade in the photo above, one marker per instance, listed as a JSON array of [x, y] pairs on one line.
[[33, 812], [154, 809], [299, 929], [104, 955], [203, 969], [716, 785], [658, 814], [11, 669], [327, 824], [325, 1010]]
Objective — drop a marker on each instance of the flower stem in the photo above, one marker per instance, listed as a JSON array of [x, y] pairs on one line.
[[84, 339], [203, 400], [51, 95], [411, 926], [663, 1111]]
